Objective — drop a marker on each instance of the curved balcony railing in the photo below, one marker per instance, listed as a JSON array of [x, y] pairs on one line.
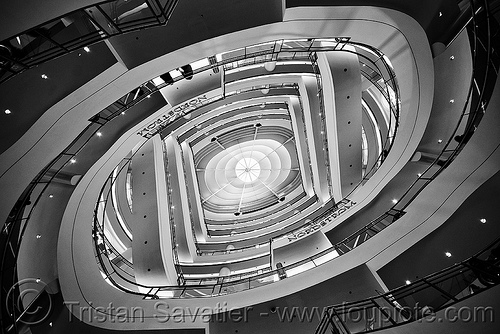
[[420, 299], [321, 218], [281, 50], [261, 54], [230, 284], [15, 226], [78, 30]]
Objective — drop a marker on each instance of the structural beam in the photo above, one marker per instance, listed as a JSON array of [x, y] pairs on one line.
[[310, 102], [151, 244], [341, 79], [179, 202]]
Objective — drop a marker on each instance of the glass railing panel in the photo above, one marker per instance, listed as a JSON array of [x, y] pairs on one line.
[[102, 21], [73, 27], [416, 300], [124, 13], [79, 29]]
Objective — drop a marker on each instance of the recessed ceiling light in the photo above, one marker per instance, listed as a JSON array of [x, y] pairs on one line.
[[394, 200], [51, 196], [73, 161], [452, 101], [38, 236], [440, 14], [44, 76], [419, 174], [407, 282], [8, 112], [98, 134], [440, 141], [452, 57], [37, 280], [448, 254], [86, 49], [482, 220]]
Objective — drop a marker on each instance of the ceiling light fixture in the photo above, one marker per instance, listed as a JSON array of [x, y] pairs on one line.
[[167, 78], [86, 49], [270, 66], [98, 134], [482, 220], [73, 161], [394, 200], [448, 254], [8, 112], [408, 282], [440, 141], [44, 76], [51, 196], [187, 72]]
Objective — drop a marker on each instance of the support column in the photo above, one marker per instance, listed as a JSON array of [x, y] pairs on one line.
[[341, 79], [151, 245]]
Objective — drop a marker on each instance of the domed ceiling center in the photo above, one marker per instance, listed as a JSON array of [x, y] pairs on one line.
[[247, 170]]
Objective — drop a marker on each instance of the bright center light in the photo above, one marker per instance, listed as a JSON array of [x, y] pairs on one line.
[[247, 170]]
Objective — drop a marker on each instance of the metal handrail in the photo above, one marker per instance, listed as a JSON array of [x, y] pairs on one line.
[[418, 299]]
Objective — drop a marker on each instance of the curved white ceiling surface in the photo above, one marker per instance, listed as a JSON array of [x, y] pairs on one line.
[[246, 176]]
